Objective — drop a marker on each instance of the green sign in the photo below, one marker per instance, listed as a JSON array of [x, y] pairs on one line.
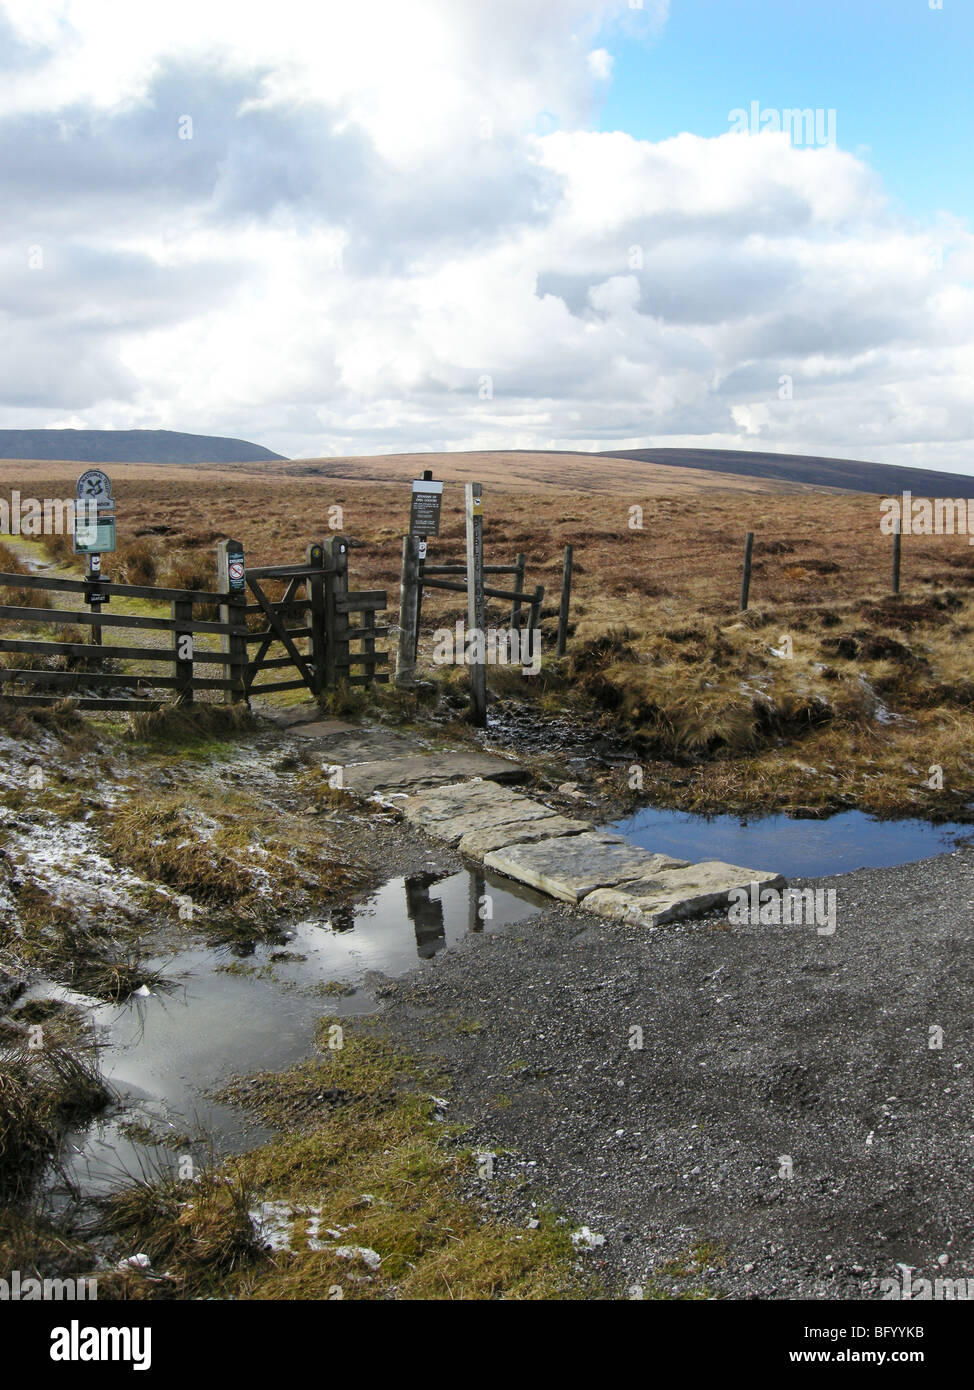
[[97, 539]]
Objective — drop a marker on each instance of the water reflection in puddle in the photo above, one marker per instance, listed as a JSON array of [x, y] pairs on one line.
[[227, 1016], [795, 848]]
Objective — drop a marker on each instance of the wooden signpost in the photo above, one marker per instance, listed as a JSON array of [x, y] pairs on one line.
[[566, 598], [475, 603], [746, 576], [424, 521], [466, 578]]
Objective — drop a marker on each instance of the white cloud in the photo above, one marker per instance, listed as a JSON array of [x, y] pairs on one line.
[[383, 204], [600, 64]]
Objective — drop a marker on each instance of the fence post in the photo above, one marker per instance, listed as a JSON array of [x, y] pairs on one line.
[[536, 601], [746, 579], [336, 588], [232, 582], [518, 588], [566, 598], [897, 553], [315, 557], [408, 598], [182, 639], [475, 602]]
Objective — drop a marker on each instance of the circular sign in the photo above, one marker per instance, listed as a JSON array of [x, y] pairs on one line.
[[236, 569], [94, 483]]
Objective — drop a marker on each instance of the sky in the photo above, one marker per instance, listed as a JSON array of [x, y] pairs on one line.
[[440, 225]]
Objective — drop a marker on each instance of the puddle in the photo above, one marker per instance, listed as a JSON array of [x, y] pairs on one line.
[[226, 1015], [795, 848]]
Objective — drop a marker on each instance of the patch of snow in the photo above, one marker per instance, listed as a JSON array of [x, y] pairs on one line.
[[359, 1252], [584, 1239]]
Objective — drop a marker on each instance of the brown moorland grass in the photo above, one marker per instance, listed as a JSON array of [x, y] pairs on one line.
[[877, 690]]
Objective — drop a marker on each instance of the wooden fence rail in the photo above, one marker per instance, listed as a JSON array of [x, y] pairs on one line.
[[335, 646]]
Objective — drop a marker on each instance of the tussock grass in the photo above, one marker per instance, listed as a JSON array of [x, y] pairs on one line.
[[139, 562], [27, 721], [235, 859], [39, 1247], [359, 1147], [197, 1231], [42, 1093], [176, 726]]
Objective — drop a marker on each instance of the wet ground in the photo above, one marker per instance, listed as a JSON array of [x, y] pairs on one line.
[[221, 1015]]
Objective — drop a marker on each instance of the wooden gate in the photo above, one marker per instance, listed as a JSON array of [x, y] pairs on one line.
[[324, 611], [306, 635]]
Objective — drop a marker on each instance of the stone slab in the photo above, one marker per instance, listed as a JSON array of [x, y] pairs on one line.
[[286, 717], [424, 770], [322, 728], [477, 843], [344, 747], [569, 867], [489, 817], [676, 894], [458, 799]]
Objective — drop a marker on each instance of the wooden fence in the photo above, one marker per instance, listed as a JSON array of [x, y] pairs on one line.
[[245, 639]]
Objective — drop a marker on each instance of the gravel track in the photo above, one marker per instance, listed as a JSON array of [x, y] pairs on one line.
[[759, 1044]]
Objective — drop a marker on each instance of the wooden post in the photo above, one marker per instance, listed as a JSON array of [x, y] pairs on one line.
[[475, 602], [746, 579], [368, 645], [476, 888], [317, 642], [897, 553], [518, 587], [182, 642], [336, 623], [408, 595], [537, 599], [427, 478], [231, 581], [566, 598]]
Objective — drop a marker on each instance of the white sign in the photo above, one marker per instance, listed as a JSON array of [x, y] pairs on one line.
[[96, 484]]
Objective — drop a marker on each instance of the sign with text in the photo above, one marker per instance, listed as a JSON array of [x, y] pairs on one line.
[[94, 525], [236, 572], [424, 514], [97, 485], [97, 539]]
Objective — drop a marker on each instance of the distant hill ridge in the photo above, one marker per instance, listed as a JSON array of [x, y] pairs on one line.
[[130, 446], [851, 475]]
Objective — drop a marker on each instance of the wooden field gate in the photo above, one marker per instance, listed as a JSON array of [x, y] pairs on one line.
[[304, 638]]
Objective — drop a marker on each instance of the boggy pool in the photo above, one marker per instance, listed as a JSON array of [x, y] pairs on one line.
[[223, 1015], [795, 848]]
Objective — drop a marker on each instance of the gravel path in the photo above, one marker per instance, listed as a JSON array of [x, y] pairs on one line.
[[759, 1044]]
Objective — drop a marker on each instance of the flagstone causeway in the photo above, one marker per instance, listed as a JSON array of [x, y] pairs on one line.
[[469, 800]]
